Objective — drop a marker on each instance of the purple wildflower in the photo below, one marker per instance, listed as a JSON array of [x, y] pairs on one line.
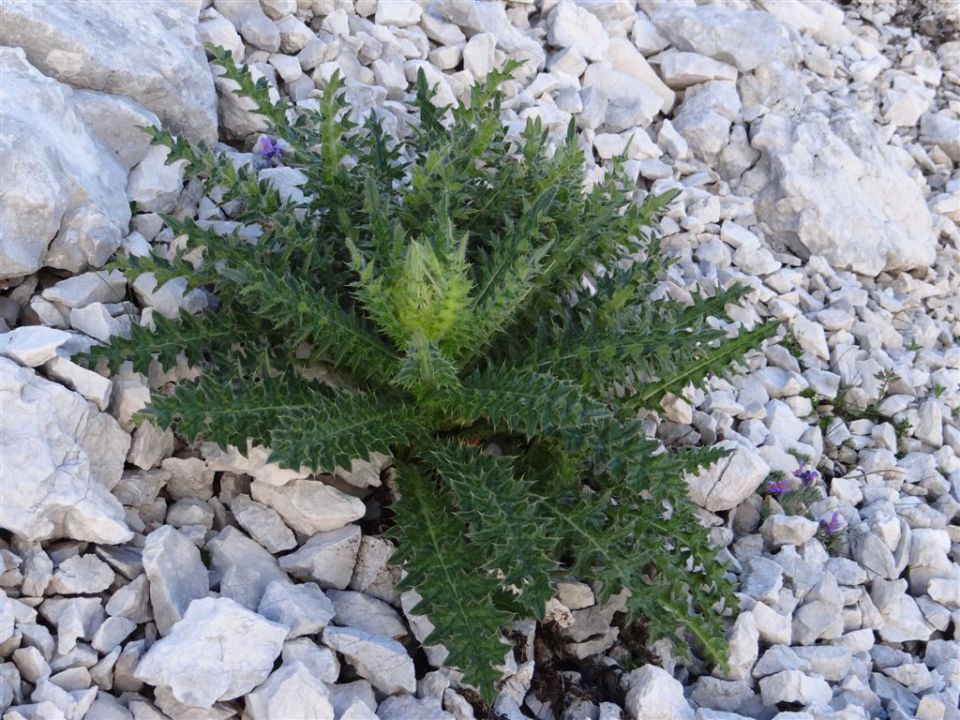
[[778, 488], [270, 149], [807, 476], [833, 525]]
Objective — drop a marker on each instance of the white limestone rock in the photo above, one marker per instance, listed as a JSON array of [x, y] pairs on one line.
[[407, 707], [571, 26], [252, 22], [728, 483], [829, 182], [309, 506], [653, 694], [153, 185], [60, 183], [745, 38], [682, 69], [176, 574], [303, 608], [382, 661], [245, 568], [117, 122], [327, 558], [291, 691], [263, 524], [359, 610], [62, 457], [149, 53], [32, 345], [320, 661], [80, 575], [218, 651], [400, 13]]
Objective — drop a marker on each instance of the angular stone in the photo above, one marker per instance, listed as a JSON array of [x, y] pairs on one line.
[[829, 181], [153, 185], [68, 457], [745, 38], [382, 661], [176, 573], [93, 386], [792, 686], [291, 692], [407, 707], [151, 54], [32, 345], [726, 484], [400, 13], [653, 694], [263, 524], [683, 69], [60, 184], [118, 122], [327, 558], [81, 575], [245, 568], [321, 661], [218, 651], [302, 608], [359, 610], [310, 506], [569, 25]]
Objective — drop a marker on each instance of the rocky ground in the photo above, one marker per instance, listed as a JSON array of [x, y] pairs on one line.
[[817, 147]]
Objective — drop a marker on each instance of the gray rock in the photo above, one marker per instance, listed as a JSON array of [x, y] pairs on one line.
[[291, 691], [60, 184], [321, 661], [400, 13], [683, 69], [151, 54], [653, 694], [819, 615], [68, 457], [822, 177], [81, 575], [382, 661], [176, 574], [81, 290], [93, 386], [310, 506], [364, 612], [263, 524], [218, 651], [793, 686], [132, 601], [746, 38], [118, 123], [780, 530], [245, 568], [407, 707], [302, 608], [111, 633], [153, 185], [728, 483], [831, 662], [571, 26], [32, 345], [328, 558]]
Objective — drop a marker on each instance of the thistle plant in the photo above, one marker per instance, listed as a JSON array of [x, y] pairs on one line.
[[440, 279]]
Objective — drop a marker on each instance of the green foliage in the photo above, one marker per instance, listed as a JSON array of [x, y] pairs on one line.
[[437, 281]]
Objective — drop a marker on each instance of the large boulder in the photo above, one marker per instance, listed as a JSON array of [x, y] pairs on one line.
[[149, 52], [59, 459], [59, 182], [825, 184]]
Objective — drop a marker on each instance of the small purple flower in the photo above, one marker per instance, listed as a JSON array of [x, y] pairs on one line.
[[807, 476], [833, 525], [270, 149], [778, 488]]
